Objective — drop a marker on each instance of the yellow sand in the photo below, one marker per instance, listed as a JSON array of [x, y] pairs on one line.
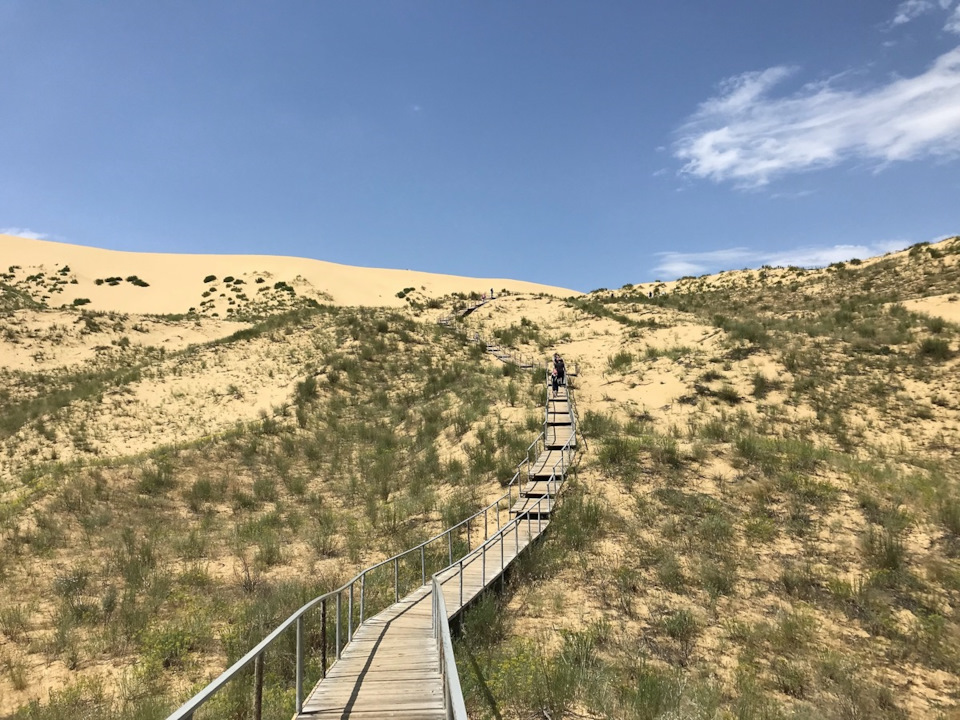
[[176, 281]]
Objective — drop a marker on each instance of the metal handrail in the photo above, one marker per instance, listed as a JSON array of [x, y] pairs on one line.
[[454, 705], [255, 654], [452, 693]]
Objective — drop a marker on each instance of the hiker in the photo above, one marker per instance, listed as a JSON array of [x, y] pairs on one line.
[[561, 369], [491, 293], [554, 381]]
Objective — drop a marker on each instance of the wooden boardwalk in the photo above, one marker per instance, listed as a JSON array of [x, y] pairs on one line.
[[391, 666]]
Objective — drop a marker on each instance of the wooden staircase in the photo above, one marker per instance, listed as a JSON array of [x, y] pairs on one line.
[[556, 446]]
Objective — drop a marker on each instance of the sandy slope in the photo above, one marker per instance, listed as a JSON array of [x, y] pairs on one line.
[[176, 281], [945, 306]]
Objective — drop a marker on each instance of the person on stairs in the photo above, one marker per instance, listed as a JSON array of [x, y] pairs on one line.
[[560, 368], [554, 381]]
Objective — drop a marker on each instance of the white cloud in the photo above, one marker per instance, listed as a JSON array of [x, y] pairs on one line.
[[746, 136], [912, 9], [676, 264], [24, 233], [953, 22]]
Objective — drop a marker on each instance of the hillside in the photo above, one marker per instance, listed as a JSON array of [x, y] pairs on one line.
[[765, 520], [768, 517]]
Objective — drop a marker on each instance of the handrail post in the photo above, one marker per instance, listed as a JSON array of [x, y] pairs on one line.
[[363, 589], [323, 636], [423, 567], [483, 566], [468, 534], [485, 537], [396, 580], [461, 582], [339, 603], [350, 615], [258, 687], [300, 663], [449, 547]]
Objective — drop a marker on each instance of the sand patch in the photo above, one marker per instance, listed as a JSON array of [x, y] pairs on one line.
[[946, 306]]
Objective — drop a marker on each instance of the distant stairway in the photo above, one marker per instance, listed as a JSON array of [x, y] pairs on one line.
[[548, 458]]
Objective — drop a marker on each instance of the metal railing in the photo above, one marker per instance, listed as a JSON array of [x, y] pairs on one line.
[[350, 598], [462, 312], [454, 705], [453, 702], [505, 354], [345, 598]]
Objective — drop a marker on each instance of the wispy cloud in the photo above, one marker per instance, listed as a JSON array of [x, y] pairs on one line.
[[953, 22], [747, 136], [24, 233], [675, 264], [910, 10]]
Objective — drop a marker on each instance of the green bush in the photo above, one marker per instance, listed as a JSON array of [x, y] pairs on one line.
[[157, 478], [932, 348], [620, 362]]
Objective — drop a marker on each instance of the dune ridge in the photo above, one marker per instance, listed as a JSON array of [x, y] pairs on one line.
[[175, 282]]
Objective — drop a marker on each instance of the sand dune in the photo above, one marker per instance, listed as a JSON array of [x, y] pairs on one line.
[[175, 282]]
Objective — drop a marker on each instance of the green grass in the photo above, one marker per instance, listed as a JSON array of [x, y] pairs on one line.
[[620, 362]]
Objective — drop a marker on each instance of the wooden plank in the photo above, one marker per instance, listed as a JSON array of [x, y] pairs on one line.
[[533, 506], [556, 436], [539, 488], [543, 466]]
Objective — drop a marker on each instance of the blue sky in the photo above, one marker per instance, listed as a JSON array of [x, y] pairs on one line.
[[579, 144]]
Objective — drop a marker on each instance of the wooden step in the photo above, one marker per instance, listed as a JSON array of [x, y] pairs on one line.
[[534, 507], [556, 436], [543, 466], [541, 488]]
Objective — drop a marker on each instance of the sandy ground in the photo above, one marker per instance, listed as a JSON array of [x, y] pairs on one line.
[[36, 341], [946, 306]]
